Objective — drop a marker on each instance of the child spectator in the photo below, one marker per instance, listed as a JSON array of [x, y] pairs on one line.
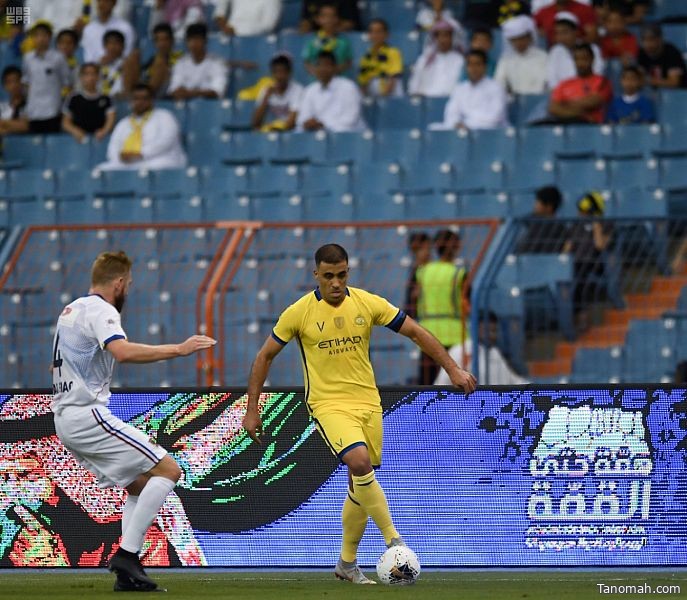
[[560, 65], [582, 99], [104, 21], [67, 42], [661, 60], [278, 104], [438, 68], [522, 66], [247, 17], [632, 106], [349, 15], [88, 111], [331, 103], [13, 112], [543, 233], [381, 68], [111, 65], [479, 102], [46, 74], [157, 72], [328, 39], [198, 74], [619, 42]]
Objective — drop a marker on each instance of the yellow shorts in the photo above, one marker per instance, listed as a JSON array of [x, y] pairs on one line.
[[344, 430]]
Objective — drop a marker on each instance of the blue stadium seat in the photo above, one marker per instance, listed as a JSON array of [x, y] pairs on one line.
[[635, 141], [379, 207], [586, 141], [228, 180], [223, 206], [246, 147], [529, 173], [474, 176], [328, 208], [206, 147], [26, 150], [350, 147], [178, 109], [79, 209], [175, 183], [633, 172], [527, 108], [297, 147], [597, 365], [99, 151], [408, 43], [257, 48], [673, 141], [398, 144], [376, 177], [274, 179], [425, 176], [179, 209], [290, 16], [64, 152], [671, 107], [673, 173], [294, 43], [650, 350], [422, 207], [540, 143], [434, 110], [446, 146], [521, 203], [208, 114], [638, 202], [122, 183], [279, 209], [219, 45], [483, 205], [400, 15], [399, 113], [326, 180], [676, 34], [30, 196], [584, 174], [129, 209], [666, 9], [488, 145]]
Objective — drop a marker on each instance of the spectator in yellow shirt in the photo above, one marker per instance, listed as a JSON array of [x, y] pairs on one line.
[[381, 68]]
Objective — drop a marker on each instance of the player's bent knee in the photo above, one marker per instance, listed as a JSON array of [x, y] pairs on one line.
[[167, 468]]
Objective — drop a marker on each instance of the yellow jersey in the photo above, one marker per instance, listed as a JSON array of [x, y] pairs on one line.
[[334, 342]]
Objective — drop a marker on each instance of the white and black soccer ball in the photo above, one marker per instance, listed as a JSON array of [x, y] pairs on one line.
[[398, 566]]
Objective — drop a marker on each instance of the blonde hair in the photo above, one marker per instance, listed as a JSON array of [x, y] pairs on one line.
[[109, 266]]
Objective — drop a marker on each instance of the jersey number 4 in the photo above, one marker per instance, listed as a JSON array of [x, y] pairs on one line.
[[56, 356]]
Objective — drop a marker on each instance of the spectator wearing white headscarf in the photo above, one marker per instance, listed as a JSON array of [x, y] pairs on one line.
[[522, 66], [437, 70]]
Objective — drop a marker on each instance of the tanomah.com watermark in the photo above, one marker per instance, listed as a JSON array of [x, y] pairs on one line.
[[641, 588], [18, 15]]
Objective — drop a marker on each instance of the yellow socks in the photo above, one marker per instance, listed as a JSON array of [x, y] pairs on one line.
[[370, 495], [354, 520]]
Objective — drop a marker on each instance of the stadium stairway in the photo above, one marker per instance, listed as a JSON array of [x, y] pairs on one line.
[[661, 298]]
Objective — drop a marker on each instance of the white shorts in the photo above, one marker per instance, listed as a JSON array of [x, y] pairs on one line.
[[115, 452]]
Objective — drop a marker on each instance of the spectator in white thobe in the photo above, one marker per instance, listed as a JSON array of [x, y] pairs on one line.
[[198, 74], [561, 64], [247, 17], [522, 66], [437, 70], [331, 103], [479, 102], [150, 138], [70, 14], [103, 21]]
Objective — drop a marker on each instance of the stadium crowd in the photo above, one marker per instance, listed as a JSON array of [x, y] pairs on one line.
[[559, 47]]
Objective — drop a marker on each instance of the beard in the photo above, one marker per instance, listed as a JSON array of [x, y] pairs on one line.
[[119, 301]]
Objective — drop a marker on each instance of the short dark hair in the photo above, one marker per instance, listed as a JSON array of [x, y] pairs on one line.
[[584, 47], [443, 238], [327, 55], [143, 87], [10, 70], [282, 59], [163, 28], [417, 237], [332, 5], [550, 195], [89, 65], [479, 53], [653, 30], [113, 34], [636, 69], [197, 30], [44, 25], [68, 33], [482, 30], [381, 22], [330, 254]]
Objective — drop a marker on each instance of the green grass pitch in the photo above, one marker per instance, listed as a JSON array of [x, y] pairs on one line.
[[287, 585]]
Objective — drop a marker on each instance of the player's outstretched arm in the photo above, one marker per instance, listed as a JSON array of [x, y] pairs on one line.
[[432, 347], [131, 352], [252, 422]]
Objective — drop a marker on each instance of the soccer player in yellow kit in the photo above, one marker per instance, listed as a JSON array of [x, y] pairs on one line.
[[332, 326]]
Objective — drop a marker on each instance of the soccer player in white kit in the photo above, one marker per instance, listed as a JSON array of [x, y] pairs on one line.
[[88, 340]]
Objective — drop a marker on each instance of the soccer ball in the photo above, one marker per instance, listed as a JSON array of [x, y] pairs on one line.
[[398, 566]]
